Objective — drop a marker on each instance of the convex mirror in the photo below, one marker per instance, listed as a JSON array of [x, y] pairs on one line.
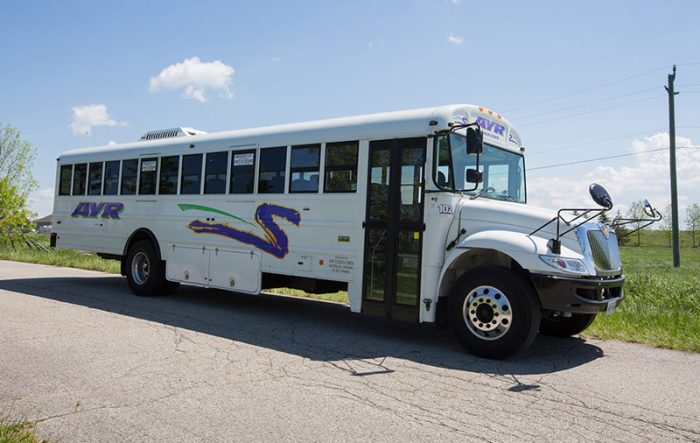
[[475, 140], [600, 196]]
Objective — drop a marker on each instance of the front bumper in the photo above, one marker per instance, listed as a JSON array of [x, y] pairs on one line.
[[578, 295]]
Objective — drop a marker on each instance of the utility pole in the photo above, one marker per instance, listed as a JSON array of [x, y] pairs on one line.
[[674, 184]]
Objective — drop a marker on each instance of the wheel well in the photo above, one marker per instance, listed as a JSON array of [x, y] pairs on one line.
[[467, 261], [136, 236]]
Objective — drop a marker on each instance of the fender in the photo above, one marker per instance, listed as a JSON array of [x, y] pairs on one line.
[[518, 246], [139, 234]]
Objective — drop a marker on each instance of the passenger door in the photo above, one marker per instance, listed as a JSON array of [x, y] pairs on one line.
[[394, 228]]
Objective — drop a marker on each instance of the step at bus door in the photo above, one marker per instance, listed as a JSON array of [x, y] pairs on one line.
[[394, 228]]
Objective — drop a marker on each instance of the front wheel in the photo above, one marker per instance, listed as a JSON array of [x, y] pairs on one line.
[[493, 312], [566, 326]]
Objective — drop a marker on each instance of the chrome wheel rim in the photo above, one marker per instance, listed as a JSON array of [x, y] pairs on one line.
[[487, 313], [140, 268]]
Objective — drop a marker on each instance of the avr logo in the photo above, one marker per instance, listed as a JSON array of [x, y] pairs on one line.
[[491, 126], [94, 209]]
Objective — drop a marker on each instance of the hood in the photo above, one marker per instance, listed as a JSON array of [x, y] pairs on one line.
[[516, 216], [513, 222]]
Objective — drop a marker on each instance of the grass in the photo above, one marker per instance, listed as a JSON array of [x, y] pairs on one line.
[[662, 303], [20, 432], [661, 306], [338, 297], [58, 257]]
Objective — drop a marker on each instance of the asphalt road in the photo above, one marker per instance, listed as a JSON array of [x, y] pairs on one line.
[[91, 362]]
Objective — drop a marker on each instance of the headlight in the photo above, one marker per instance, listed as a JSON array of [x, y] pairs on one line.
[[569, 265]]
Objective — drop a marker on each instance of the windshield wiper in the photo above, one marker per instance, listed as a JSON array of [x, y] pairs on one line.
[[494, 195], [483, 191]]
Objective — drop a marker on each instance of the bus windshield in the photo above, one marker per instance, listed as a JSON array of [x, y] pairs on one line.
[[503, 171]]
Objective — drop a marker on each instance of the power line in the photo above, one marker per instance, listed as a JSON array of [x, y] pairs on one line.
[[586, 90], [563, 148], [585, 104], [590, 112], [629, 154]]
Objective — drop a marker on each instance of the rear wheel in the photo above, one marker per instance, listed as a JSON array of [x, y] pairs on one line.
[[566, 326], [145, 273], [493, 312], [171, 287]]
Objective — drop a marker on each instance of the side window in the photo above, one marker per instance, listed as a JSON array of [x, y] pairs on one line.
[[341, 167], [95, 179], [242, 172], [79, 179], [304, 168], [147, 181], [273, 162], [215, 174], [64, 184], [169, 168], [191, 179], [130, 169], [111, 185]]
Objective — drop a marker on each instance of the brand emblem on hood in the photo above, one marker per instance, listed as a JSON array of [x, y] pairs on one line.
[[606, 232]]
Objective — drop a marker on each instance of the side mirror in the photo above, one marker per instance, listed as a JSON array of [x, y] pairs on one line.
[[600, 196], [474, 176], [649, 209], [475, 141]]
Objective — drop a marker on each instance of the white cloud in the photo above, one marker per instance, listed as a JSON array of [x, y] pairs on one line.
[[648, 177], [195, 77], [454, 39], [41, 201], [111, 143], [87, 116], [276, 59]]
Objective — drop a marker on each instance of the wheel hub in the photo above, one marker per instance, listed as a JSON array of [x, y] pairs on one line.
[[140, 268], [484, 313], [487, 313]]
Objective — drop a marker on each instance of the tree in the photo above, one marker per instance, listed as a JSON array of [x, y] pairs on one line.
[[604, 218], [16, 182], [16, 160], [14, 215], [621, 231], [692, 219], [636, 212], [665, 225]]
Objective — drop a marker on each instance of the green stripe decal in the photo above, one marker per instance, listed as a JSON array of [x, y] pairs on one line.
[[187, 207]]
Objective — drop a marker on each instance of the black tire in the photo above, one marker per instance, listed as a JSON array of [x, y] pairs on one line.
[[171, 287], [147, 281], [513, 323], [566, 326]]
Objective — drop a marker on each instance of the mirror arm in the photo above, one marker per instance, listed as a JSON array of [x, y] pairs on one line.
[[555, 243], [626, 221]]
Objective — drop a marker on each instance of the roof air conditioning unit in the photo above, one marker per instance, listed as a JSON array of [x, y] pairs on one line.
[[168, 133]]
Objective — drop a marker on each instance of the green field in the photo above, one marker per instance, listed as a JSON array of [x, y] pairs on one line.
[[661, 307], [662, 303]]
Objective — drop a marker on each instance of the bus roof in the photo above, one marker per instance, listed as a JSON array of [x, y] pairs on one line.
[[408, 123]]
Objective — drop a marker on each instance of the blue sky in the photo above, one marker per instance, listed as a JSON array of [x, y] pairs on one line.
[[263, 63]]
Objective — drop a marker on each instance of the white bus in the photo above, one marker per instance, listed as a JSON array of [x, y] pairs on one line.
[[411, 212]]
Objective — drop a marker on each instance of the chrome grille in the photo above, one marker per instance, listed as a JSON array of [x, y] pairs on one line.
[[606, 254]]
